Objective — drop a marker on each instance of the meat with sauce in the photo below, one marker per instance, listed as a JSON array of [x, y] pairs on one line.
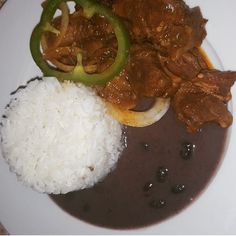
[[150, 75], [204, 98], [94, 38], [119, 92], [143, 77], [170, 25], [165, 59], [187, 66]]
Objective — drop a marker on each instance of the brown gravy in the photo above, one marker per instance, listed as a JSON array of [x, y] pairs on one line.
[[162, 171]]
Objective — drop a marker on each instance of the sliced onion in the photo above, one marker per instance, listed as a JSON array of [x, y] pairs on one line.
[[140, 119], [68, 68], [63, 29], [64, 23], [52, 53]]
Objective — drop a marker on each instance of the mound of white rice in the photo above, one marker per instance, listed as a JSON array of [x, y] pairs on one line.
[[58, 137]]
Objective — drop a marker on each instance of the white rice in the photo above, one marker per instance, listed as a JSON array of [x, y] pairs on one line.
[[58, 137]]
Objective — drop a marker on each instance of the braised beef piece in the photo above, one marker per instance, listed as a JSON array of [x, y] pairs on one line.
[[119, 92], [102, 57], [145, 74], [143, 77], [187, 66], [170, 25], [216, 83], [204, 98]]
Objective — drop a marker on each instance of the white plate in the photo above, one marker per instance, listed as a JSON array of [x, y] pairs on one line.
[[23, 211]]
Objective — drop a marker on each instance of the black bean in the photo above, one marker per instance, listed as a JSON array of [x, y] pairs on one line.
[[187, 150], [179, 188], [157, 203], [147, 187], [162, 174], [145, 146]]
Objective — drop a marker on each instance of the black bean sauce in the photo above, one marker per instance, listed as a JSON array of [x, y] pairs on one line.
[[160, 172]]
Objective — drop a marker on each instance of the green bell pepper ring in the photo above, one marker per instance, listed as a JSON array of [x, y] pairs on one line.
[[90, 8]]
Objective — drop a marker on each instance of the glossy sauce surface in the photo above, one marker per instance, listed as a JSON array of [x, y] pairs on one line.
[[162, 170]]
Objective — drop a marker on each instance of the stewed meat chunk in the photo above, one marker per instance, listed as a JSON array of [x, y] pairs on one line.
[[202, 99], [170, 25], [165, 59], [188, 66], [119, 92], [142, 77]]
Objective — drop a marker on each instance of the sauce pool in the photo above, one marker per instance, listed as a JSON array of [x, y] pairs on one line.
[[161, 171]]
